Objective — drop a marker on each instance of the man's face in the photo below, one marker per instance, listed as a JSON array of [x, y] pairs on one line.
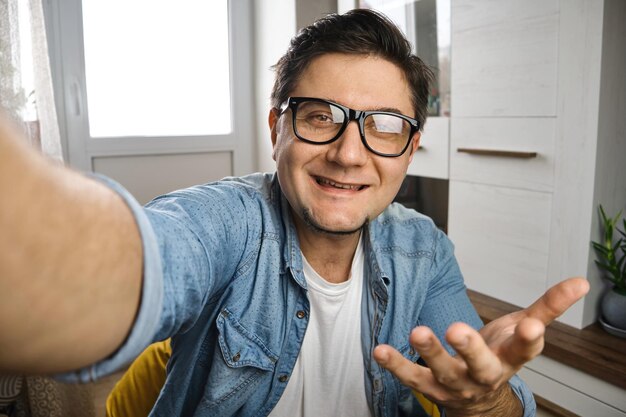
[[339, 186]]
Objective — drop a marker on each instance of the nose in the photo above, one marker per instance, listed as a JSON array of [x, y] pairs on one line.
[[348, 149]]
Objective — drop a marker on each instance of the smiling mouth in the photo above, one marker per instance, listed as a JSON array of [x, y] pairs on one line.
[[328, 183]]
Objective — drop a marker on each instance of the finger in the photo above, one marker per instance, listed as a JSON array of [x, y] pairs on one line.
[[558, 299], [414, 376], [446, 370], [484, 366], [527, 342], [409, 373]]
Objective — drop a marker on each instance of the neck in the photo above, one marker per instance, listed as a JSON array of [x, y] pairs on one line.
[[329, 255]]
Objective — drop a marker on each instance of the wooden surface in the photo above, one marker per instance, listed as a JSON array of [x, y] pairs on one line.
[[498, 153], [590, 350]]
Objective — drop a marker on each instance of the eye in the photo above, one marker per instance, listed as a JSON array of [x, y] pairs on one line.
[[321, 117], [386, 124], [320, 113]]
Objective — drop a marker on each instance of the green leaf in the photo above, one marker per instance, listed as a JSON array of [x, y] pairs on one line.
[[602, 214], [623, 231], [606, 267], [611, 255], [600, 248], [621, 265], [621, 261], [615, 247]]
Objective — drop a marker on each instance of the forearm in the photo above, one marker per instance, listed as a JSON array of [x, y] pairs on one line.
[[70, 264], [502, 402]]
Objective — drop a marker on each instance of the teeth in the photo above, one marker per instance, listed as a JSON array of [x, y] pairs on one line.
[[339, 185]]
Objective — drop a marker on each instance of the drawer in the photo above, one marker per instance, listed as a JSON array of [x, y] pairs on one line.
[[502, 237], [431, 160], [517, 136]]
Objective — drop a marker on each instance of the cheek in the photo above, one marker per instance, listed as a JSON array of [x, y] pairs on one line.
[[283, 139], [394, 172], [281, 149], [394, 176]]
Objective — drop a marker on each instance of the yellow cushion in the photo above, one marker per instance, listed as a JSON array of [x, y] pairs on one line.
[[135, 394], [427, 405]]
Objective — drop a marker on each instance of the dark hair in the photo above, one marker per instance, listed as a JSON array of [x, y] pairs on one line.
[[358, 31]]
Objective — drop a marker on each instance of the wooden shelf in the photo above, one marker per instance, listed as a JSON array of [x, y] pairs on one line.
[[590, 350]]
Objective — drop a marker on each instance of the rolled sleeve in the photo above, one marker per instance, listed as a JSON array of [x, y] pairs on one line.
[[522, 392], [147, 319], [525, 395]]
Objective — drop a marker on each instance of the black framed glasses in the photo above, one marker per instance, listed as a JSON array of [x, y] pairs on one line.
[[320, 121]]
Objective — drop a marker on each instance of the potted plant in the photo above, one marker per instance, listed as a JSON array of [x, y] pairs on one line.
[[611, 254]]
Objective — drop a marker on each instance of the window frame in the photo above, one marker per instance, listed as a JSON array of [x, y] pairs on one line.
[[65, 37]]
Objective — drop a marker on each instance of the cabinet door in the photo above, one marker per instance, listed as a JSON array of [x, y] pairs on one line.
[[504, 57], [502, 238]]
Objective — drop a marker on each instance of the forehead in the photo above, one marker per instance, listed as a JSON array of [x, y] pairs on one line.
[[363, 82]]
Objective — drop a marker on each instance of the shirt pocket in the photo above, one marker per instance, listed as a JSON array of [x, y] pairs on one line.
[[239, 364], [241, 347]]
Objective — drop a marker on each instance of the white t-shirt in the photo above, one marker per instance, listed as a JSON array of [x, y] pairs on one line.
[[328, 377]]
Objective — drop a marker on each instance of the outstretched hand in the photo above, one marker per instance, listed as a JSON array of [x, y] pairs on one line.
[[476, 377]]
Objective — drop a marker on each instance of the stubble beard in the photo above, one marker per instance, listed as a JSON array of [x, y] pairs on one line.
[[316, 227]]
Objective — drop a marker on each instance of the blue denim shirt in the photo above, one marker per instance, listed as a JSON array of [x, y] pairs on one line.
[[223, 277]]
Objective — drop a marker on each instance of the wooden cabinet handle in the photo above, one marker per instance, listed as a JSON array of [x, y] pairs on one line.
[[495, 152]]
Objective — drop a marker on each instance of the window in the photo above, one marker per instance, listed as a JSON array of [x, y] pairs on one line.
[[426, 24], [157, 68], [154, 79]]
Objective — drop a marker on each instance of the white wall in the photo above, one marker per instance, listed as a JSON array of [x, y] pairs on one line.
[[610, 179], [308, 11], [276, 22], [275, 25]]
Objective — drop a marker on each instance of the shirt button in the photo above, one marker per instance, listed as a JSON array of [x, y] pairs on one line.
[[377, 385], [300, 314], [283, 378], [236, 357]]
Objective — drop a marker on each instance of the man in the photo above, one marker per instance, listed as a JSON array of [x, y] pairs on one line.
[[299, 293]]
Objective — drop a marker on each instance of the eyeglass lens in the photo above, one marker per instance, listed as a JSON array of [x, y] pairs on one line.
[[321, 122]]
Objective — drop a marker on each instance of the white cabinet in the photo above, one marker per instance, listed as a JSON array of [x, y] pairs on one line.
[[502, 145], [537, 88], [574, 390], [501, 236], [431, 159], [504, 57], [528, 140]]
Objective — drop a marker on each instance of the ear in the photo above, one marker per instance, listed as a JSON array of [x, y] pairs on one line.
[[272, 120], [415, 145]]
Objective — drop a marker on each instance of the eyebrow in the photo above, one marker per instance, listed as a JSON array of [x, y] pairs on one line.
[[389, 109], [385, 109]]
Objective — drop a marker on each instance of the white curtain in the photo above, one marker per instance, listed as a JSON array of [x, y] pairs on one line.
[[25, 80], [26, 95]]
